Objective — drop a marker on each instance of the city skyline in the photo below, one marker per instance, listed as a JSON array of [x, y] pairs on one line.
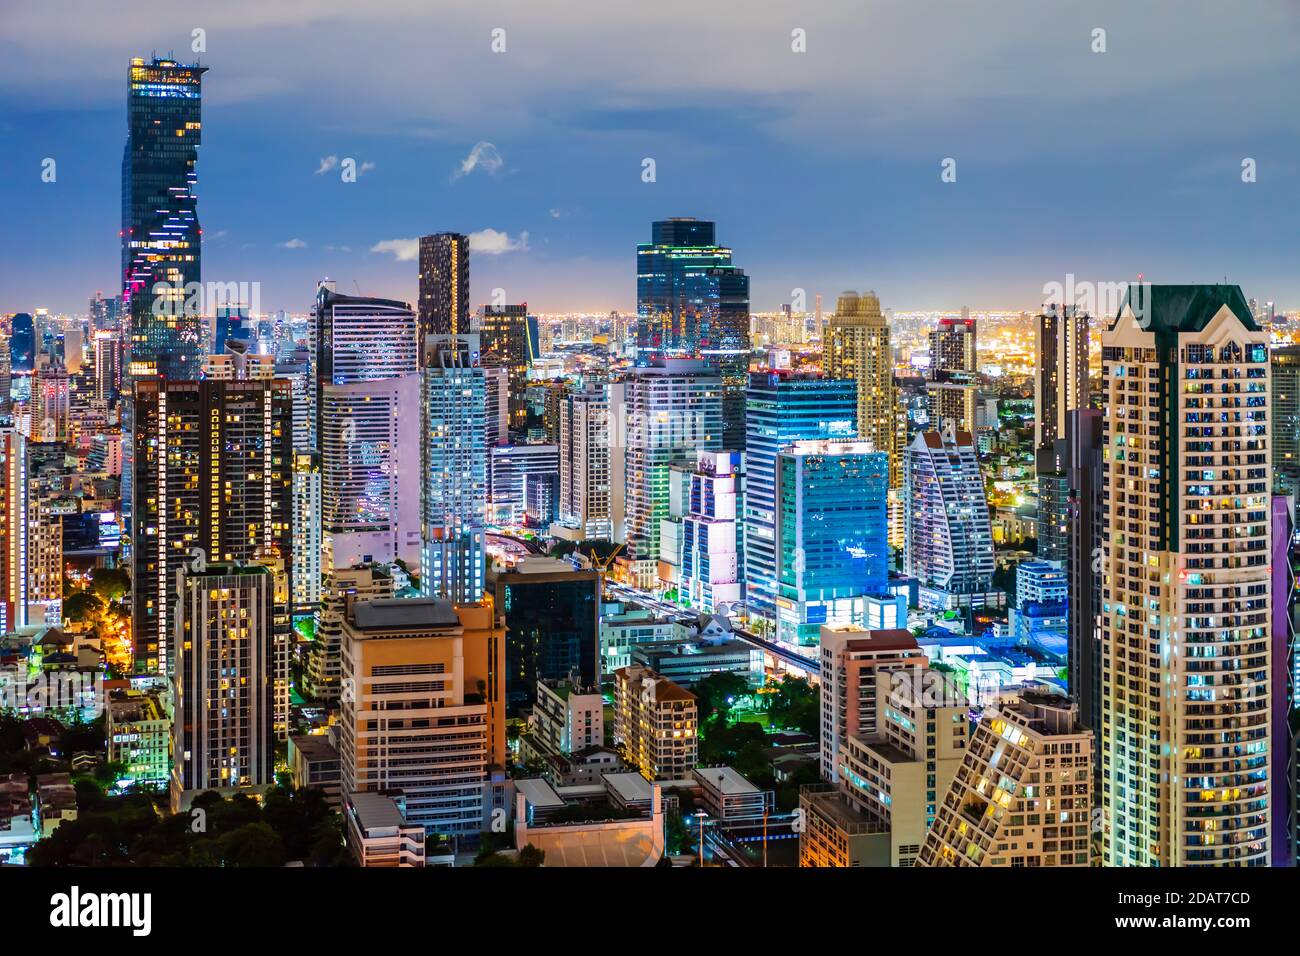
[[545, 170]]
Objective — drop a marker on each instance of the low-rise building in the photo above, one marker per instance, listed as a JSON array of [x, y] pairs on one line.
[[314, 762], [729, 797], [656, 722], [138, 728], [566, 718], [378, 833]]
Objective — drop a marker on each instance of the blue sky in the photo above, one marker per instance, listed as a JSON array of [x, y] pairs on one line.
[[822, 168]]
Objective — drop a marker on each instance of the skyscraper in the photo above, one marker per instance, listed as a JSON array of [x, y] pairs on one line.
[[674, 408], [444, 286], [700, 543], [213, 471], [782, 407], [947, 532], [222, 733], [509, 340], [368, 388], [1286, 418], [832, 549], [1186, 587], [453, 469], [161, 246], [591, 471], [857, 347], [693, 303], [1060, 389], [952, 388], [1084, 565], [22, 345]]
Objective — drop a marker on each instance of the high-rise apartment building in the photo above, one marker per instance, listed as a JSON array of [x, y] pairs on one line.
[[674, 409], [368, 391], [952, 388], [782, 407], [831, 542], [322, 677], [1060, 389], [453, 470], [222, 737], [947, 531], [1023, 793], [591, 462], [1186, 599], [444, 286], [1084, 566], [424, 711], [161, 246], [857, 347], [1285, 360], [213, 464], [656, 722], [692, 302]]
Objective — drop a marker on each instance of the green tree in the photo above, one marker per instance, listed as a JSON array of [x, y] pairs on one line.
[[254, 844], [717, 693], [531, 856], [110, 584], [80, 606]]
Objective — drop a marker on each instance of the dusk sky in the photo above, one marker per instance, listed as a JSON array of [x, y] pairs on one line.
[[821, 168]]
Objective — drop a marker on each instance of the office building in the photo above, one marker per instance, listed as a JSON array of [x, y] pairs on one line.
[[424, 715], [552, 622], [782, 407], [525, 485], [379, 833], [1023, 793], [161, 245], [832, 549], [656, 724], [851, 659], [700, 542], [566, 718], [222, 737], [674, 409], [1285, 361], [692, 302], [1084, 565], [453, 470], [368, 389], [1186, 599]]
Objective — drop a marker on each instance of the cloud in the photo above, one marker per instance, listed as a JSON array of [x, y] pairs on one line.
[[403, 250], [293, 244], [327, 163], [483, 156], [493, 243], [338, 248]]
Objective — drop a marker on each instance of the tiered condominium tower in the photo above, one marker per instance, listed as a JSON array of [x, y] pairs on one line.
[[1186, 585], [160, 223], [424, 714], [947, 532], [857, 347], [453, 469], [674, 409], [952, 388], [368, 390], [693, 303], [1023, 793], [444, 286], [222, 732], [213, 471], [782, 407], [592, 454]]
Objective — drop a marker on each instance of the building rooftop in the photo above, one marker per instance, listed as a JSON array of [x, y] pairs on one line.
[[726, 780], [314, 747], [376, 811], [404, 614], [1186, 308]]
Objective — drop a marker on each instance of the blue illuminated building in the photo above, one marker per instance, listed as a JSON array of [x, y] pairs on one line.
[[782, 407], [832, 544]]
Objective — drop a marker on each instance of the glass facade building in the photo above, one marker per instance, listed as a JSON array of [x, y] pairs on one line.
[[693, 303], [832, 546], [160, 222], [783, 407]]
